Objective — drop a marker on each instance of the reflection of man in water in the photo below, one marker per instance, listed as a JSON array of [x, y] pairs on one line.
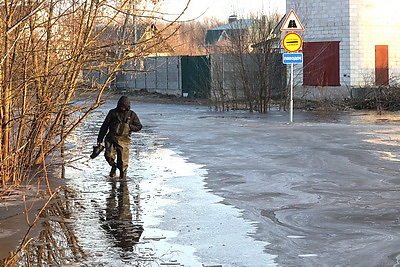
[[118, 125], [118, 221]]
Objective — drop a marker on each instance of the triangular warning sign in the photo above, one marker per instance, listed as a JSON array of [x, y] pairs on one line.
[[292, 23]]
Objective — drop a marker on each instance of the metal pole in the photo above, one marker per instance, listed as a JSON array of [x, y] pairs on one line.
[[291, 93]]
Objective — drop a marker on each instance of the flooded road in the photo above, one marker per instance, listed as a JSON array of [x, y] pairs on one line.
[[240, 189], [163, 213]]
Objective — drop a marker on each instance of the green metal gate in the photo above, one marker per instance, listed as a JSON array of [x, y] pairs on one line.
[[196, 76]]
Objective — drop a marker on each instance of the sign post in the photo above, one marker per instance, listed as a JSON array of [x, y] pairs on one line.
[[292, 42], [291, 92]]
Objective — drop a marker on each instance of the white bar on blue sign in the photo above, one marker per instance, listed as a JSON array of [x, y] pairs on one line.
[[292, 58]]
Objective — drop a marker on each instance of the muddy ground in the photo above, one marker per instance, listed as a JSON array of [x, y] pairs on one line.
[[242, 189]]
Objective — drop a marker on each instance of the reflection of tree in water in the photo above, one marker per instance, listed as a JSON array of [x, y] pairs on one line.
[[57, 244], [118, 221]]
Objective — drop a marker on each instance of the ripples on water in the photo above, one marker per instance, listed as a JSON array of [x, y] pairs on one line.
[[104, 221], [385, 139]]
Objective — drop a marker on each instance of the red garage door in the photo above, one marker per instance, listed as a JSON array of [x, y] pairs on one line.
[[321, 64]]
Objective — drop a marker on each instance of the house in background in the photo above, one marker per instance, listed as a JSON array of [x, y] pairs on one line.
[[347, 45], [221, 39]]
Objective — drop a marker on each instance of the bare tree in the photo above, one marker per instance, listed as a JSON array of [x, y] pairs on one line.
[[255, 71], [187, 37], [47, 48]]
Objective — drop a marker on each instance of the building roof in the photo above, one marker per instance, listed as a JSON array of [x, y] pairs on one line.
[[240, 24], [235, 27]]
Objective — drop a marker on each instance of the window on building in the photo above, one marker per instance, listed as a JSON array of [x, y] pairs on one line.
[[381, 65], [321, 64]]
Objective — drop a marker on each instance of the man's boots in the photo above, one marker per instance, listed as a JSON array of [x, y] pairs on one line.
[[113, 171]]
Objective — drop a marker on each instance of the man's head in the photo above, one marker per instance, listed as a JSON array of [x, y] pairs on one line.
[[124, 103]]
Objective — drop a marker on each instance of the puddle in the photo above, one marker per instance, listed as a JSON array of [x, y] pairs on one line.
[[57, 243], [119, 223], [162, 215]]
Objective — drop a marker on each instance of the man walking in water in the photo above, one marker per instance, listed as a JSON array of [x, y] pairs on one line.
[[117, 128]]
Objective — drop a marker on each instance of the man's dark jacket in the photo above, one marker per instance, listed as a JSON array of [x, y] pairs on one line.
[[119, 116]]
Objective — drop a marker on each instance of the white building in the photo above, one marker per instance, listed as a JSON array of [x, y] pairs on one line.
[[347, 44]]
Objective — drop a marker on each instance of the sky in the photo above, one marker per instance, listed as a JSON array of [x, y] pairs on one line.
[[198, 9]]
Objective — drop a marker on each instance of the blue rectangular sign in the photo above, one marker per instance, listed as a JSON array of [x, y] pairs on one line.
[[292, 58]]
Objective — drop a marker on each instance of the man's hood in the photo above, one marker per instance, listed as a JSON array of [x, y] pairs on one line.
[[124, 102]]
